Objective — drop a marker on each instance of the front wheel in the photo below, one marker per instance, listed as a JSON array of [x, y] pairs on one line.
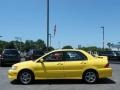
[[25, 77], [90, 76]]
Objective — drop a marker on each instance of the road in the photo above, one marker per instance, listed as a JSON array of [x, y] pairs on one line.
[[112, 83]]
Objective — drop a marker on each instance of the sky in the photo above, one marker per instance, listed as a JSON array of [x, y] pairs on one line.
[[77, 22]]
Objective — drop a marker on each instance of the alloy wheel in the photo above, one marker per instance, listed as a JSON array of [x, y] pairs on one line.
[[90, 77], [25, 77]]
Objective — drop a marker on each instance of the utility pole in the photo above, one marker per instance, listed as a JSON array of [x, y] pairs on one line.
[[47, 24], [103, 36], [50, 39]]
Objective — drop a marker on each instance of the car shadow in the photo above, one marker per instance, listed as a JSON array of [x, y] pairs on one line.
[[60, 82]]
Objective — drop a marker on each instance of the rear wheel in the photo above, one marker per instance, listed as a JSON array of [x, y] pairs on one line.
[[25, 77], [90, 76]]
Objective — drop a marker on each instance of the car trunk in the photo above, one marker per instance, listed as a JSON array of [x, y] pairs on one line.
[[102, 62]]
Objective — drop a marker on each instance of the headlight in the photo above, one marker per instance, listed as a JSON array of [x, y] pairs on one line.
[[14, 67]]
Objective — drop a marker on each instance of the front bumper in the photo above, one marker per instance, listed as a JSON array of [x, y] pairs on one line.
[[12, 74], [105, 72]]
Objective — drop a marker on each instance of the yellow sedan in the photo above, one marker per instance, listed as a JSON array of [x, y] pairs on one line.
[[62, 64]]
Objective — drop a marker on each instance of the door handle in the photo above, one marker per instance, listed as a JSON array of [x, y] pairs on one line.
[[60, 64], [83, 63]]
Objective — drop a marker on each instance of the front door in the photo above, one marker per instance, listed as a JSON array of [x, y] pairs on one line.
[[53, 65]]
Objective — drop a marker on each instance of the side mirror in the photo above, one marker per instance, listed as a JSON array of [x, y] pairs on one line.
[[41, 60]]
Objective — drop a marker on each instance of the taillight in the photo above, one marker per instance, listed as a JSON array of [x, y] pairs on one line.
[[107, 65]]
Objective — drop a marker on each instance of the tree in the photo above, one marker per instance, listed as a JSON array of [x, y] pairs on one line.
[[24, 46], [40, 44], [18, 45], [67, 47], [50, 48], [10, 45], [91, 48], [109, 45], [29, 44], [2, 45]]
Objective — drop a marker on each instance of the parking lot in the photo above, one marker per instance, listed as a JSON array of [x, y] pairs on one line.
[[112, 83]]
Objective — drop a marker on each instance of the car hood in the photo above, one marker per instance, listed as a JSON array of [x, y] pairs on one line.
[[25, 63]]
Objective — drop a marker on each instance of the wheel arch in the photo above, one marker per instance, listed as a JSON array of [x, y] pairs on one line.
[[91, 69], [26, 69]]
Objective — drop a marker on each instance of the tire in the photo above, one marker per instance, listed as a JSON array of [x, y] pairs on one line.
[[90, 76], [25, 77]]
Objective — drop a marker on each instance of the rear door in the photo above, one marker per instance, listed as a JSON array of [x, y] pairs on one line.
[[74, 64]]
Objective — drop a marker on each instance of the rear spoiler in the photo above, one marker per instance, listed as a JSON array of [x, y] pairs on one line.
[[102, 57]]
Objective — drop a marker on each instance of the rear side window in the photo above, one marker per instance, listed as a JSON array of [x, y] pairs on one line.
[[74, 56]]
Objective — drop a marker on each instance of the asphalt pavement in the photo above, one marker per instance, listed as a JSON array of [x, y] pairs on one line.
[[112, 83]]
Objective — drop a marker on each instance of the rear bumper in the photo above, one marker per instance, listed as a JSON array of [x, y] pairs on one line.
[[105, 72]]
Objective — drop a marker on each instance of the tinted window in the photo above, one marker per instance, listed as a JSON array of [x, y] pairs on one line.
[[107, 53], [117, 53], [74, 55], [56, 56], [11, 52]]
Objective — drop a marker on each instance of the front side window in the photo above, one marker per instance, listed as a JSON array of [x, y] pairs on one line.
[[74, 56], [56, 56]]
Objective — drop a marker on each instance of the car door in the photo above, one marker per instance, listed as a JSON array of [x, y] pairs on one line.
[[52, 66], [74, 64]]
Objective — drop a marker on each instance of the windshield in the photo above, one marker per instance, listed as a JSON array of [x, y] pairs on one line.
[[14, 52]]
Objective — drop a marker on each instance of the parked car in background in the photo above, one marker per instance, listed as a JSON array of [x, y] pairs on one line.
[[34, 54], [62, 64], [9, 56], [117, 53], [112, 55]]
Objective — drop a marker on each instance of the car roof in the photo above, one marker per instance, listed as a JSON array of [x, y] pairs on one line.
[[67, 50], [57, 50]]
